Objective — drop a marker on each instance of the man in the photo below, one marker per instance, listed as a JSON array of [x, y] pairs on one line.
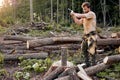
[[88, 19]]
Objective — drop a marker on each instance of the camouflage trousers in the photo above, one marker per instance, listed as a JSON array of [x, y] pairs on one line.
[[88, 48]]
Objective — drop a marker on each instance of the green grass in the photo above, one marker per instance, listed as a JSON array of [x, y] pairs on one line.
[[115, 29], [3, 30], [38, 33]]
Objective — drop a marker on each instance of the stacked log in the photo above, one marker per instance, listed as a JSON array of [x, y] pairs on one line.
[[78, 73], [17, 44]]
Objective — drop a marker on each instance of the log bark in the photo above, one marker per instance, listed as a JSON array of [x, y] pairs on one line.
[[58, 47], [64, 78], [54, 40], [9, 47], [115, 35], [67, 71], [15, 51], [18, 38], [11, 42], [111, 59], [64, 40], [25, 56], [54, 74], [64, 56], [110, 41], [95, 69]]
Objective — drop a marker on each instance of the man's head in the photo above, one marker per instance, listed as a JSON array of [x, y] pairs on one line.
[[86, 7]]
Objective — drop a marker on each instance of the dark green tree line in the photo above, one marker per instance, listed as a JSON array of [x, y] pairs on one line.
[[18, 11]]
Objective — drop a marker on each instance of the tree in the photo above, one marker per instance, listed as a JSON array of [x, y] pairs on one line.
[[31, 11]]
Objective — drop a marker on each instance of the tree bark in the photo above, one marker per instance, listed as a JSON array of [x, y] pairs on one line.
[[111, 59], [15, 51], [66, 40], [31, 11], [54, 74], [115, 35], [110, 41], [18, 38], [58, 47], [95, 69], [64, 56], [54, 40], [64, 78], [67, 71], [25, 56]]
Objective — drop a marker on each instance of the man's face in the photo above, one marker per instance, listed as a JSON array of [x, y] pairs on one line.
[[85, 9]]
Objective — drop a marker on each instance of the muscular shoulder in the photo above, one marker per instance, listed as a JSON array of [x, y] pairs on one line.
[[90, 14]]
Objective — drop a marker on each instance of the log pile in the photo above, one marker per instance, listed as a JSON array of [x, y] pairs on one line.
[[78, 72], [50, 44]]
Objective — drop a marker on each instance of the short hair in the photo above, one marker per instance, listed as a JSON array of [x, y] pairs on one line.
[[86, 4]]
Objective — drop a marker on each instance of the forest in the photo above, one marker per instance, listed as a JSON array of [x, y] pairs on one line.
[[39, 40], [13, 11]]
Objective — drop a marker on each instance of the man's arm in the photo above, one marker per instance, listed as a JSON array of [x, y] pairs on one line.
[[77, 21], [75, 18], [78, 15]]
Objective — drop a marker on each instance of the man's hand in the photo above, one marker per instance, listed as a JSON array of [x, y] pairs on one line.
[[72, 13]]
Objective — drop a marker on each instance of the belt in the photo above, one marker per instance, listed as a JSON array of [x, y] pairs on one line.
[[90, 33]]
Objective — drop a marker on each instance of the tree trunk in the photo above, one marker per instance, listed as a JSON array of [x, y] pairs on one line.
[[115, 35], [18, 38], [64, 40], [64, 56], [58, 47], [54, 74], [54, 40], [57, 11], [105, 42], [67, 71], [119, 8], [51, 10], [95, 69], [64, 78], [111, 59], [41, 55], [31, 11]]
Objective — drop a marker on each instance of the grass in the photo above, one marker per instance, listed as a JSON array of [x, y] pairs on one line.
[[3, 30], [115, 29], [38, 33]]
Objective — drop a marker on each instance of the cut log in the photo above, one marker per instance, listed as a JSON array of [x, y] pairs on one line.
[[9, 47], [64, 56], [54, 40], [18, 38], [11, 42], [95, 69], [83, 77], [41, 55], [115, 35], [58, 47], [64, 40], [68, 71], [111, 59], [110, 41], [54, 74], [18, 51], [64, 78]]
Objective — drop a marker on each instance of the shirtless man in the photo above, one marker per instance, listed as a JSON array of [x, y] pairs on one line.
[[88, 19]]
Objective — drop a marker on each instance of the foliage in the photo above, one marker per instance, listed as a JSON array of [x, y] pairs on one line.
[[21, 75], [1, 58], [3, 29], [14, 11], [3, 72], [36, 65], [113, 72], [38, 33], [115, 29]]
